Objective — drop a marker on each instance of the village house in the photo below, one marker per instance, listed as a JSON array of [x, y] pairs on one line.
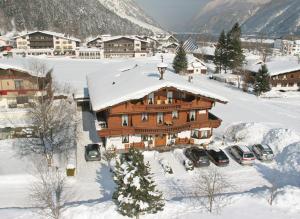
[[46, 42], [149, 110], [120, 46], [167, 43], [18, 87], [284, 72], [196, 66]]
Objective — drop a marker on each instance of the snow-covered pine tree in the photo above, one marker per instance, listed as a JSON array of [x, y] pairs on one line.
[[136, 192], [180, 61], [262, 81]]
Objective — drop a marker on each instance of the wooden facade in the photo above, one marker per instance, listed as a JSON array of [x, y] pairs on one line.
[[286, 81], [19, 87], [165, 117]]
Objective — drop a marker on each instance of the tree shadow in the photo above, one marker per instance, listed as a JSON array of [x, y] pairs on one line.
[[104, 177]]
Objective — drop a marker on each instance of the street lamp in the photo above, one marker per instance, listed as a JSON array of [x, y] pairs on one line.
[[162, 67]]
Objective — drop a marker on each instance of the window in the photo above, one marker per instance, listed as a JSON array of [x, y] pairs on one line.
[[144, 117], [144, 137], [151, 98], [170, 96], [291, 84], [18, 84], [125, 139], [175, 114], [205, 134], [124, 120], [192, 115], [22, 100], [160, 118], [195, 134]]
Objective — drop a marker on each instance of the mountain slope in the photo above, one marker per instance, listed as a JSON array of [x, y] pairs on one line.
[[268, 17], [217, 15], [129, 9], [81, 18], [275, 18]]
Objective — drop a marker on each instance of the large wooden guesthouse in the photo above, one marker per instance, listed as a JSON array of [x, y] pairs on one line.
[[140, 108]]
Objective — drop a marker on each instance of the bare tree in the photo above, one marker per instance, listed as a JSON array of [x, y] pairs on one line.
[[210, 189], [109, 155], [54, 120], [48, 191]]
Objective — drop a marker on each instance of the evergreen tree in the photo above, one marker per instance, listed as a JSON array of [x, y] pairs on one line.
[[220, 52], [262, 81], [235, 52], [180, 61], [136, 192]]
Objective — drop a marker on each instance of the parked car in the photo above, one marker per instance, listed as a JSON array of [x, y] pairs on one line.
[[188, 164], [219, 158], [166, 166], [242, 154], [197, 156], [92, 152], [263, 152]]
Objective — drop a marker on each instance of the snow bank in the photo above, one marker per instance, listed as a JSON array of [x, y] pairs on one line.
[[258, 133], [248, 133], [279, 138], [289, 159]]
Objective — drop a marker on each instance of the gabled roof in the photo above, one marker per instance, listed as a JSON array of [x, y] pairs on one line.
[[61, 35], [16, 68], [277, 65], [107, 89]]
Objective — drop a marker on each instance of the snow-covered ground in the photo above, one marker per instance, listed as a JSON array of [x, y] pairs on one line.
[[246, 119]]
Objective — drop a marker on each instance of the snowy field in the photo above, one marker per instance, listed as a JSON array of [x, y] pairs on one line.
[[246, 118]]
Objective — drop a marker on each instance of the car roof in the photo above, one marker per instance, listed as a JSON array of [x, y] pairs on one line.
[[244, 148]]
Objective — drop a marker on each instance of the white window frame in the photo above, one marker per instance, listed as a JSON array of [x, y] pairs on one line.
[[160, 116], [150, 98], [125, 120], [192, 114]]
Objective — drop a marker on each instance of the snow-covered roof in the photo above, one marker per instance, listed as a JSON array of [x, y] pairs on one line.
[[16, 68], [61, 35], [206, 50], [116, 86], [277, 65]]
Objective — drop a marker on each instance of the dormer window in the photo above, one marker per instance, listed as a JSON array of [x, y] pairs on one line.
[[170, 97], [151, 98], [124, 120]]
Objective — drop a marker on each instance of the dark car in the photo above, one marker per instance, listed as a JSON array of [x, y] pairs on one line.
[[197, 156], [219, 158], [92, 152], [263, 152]]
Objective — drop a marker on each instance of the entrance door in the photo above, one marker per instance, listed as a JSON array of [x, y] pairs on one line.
[[160, 140]]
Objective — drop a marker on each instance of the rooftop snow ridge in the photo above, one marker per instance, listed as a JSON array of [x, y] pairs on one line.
[[112, 87]]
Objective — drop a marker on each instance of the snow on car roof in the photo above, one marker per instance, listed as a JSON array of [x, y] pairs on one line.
[[245, 148], [114, 86]]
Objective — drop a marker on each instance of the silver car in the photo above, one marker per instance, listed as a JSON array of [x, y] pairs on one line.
[[263, 152], [242, 154]]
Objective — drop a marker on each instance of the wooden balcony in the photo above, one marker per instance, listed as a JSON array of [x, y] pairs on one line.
[[213, 122], [162, 106]]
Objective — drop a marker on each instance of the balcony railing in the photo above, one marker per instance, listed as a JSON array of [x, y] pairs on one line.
[[213, 122]]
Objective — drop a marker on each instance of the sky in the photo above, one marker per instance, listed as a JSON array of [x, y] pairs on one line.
[[172, 15]]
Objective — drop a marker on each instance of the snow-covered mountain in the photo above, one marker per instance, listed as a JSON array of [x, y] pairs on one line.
[[279, 17], [270, 17], [129, 9], [82, 18], [222, 14]]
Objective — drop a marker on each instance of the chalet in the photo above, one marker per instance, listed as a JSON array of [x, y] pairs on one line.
[[141, 108], [196, 66], [168, 43], [19, 87], [43, 42], [121, 46], [284, 72]]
